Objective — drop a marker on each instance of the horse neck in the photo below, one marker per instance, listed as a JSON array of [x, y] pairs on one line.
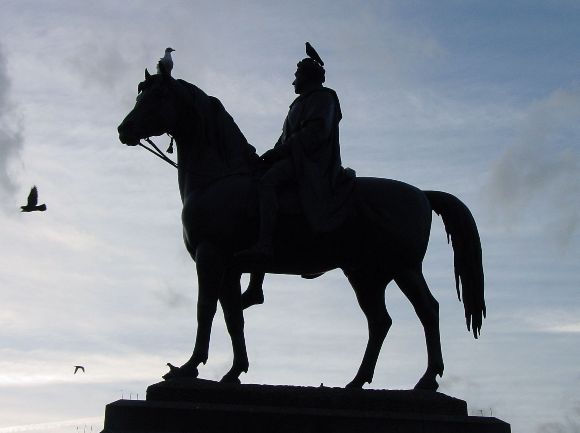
[[201, 164], [209, 143]]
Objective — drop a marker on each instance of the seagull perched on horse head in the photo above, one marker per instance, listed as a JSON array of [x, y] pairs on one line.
[[165, 64]]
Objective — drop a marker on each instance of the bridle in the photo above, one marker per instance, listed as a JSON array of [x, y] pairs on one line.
[[157, 152], [212, 177]]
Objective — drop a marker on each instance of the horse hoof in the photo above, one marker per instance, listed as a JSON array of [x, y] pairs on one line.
[[250, 298], [180, 372], [230, 379], [427, 384], [355, 384]]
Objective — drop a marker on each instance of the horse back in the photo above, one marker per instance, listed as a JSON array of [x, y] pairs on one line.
[[395, 212], [388, 217]]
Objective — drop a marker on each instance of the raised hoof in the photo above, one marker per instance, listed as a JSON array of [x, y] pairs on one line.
[[180, 372], [252, 297], [427, 384]]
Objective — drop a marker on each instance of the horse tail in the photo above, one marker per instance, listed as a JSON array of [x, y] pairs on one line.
[[462, 231]]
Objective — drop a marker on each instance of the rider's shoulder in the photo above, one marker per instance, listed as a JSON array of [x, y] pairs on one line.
[[318, 95], [323, 92]]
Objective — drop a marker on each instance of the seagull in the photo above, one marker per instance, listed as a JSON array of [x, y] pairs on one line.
[[79, 367], [311, 52], [32, 204], [165, 64]]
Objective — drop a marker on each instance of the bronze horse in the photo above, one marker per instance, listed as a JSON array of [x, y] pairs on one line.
[[385, 238]]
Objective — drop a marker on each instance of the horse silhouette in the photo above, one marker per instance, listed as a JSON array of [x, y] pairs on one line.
[[385, 238]]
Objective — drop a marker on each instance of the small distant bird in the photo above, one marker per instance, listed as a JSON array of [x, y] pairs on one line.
[[165, 64], [32, 204], [311, 52], [79, 367]]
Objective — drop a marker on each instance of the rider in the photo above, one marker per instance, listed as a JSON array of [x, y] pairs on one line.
[[307, 154]]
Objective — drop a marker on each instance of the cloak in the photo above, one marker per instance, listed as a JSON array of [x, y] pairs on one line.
[[310, 137]]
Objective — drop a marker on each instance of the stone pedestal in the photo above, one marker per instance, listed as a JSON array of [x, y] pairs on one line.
[[201, 406]]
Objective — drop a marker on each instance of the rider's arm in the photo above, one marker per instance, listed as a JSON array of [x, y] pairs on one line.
[[316, 123]]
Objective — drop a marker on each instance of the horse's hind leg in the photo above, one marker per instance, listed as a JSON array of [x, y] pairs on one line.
[[231, 301], [369, 288], [413, 285]]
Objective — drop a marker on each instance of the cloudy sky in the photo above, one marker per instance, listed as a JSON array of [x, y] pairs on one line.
[[477, 98]]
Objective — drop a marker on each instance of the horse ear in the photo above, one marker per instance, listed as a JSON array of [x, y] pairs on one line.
[[147, 74]]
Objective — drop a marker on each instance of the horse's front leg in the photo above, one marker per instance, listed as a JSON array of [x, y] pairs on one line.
[[230, 298], [210, 273]]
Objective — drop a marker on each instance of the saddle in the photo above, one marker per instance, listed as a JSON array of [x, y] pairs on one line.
[[288, 199]]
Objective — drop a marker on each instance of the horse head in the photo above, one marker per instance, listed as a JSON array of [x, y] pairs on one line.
[[155, 112]]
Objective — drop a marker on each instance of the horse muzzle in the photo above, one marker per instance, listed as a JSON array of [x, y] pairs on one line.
[[125, 135]]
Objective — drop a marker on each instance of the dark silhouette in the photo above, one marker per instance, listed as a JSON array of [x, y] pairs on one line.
[[382, 238], [32, 204], [204, 406], [254, 295], [311, 52], [79, 367], [306, 157]]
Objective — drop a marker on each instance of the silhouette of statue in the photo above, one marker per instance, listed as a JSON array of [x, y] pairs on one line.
[[32, 202], [307, 154], [383, 238]]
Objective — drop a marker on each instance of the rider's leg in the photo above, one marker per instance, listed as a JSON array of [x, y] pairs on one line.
[[281, 172]]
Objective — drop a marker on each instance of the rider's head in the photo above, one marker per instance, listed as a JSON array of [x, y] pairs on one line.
[[309, 74]]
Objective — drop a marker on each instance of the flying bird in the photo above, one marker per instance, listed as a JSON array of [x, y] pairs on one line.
[[311, 52], [79, 367], [165, 64], [32, 204]]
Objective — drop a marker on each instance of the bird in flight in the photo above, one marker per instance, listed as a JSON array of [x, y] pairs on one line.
[[165, 64], [79, 367], [32, 204]]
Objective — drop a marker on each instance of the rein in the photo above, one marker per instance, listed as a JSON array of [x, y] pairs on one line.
[[157, 152], [211, 177]]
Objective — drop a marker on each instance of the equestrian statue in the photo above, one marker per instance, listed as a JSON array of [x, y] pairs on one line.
[[296, 210]]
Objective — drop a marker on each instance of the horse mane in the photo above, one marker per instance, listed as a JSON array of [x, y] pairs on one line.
[[217, 128]]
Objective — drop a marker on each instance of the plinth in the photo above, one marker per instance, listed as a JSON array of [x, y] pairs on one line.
[[202, 406]]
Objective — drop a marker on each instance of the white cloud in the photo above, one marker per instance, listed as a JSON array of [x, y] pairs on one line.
[[55, 426], [537, 179], [40, 368], [565, 328], [11, 135]]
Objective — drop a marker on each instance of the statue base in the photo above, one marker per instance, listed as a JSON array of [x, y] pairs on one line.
[[202, 406]]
